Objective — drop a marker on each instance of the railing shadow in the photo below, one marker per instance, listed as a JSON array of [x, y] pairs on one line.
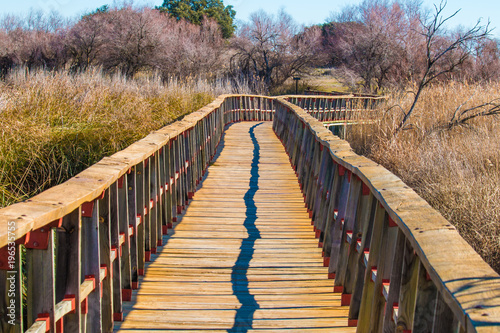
[[243, 319]]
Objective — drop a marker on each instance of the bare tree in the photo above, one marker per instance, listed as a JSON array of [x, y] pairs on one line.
[[85, 40], [376, 40], [190, 50], [486, 64], [273, 48], [462, 117], [443, 54]]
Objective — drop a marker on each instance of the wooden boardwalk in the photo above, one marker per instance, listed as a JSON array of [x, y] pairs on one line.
[[244, 256]]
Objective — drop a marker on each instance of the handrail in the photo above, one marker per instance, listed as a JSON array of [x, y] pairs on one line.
[[384, 244], [87, 240], [340, 108], [338, 93]]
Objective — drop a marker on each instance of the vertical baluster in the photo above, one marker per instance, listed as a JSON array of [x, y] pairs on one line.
[[394, 284], [173, 177], [347, 238], [106, 261], [167, 152], [444, 320], [153, 202], [116, 252], [68, 267], [140, 217], [320, 174], [147, 210], [359, 227], [335, 190], [382, 272], [158, 202], [189, 164], [323, 205], [40, 293], [337, 226], [313, 177], [426, 302], [184, 162], [371, 259], [408, 293], [356, 272], [124, 239], [176, 174], [133, 226], [91, 268]]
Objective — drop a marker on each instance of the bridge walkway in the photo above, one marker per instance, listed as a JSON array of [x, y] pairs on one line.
[[244, 256]]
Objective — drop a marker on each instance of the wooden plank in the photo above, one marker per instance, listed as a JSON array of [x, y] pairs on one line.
[[244, 262]]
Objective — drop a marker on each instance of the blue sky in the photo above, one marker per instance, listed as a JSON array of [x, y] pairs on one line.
[[303, 11]]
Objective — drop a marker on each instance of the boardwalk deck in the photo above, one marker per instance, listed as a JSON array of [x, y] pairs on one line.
[[243, 257]]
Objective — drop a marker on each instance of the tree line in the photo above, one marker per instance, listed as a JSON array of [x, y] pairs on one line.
[[373, 45]]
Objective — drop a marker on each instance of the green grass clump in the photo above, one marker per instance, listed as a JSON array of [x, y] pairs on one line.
[[54, 125]]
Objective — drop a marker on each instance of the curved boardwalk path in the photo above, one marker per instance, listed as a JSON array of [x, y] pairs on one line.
[[244, 256]]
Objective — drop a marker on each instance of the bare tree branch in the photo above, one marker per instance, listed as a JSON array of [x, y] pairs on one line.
[[438, 47]]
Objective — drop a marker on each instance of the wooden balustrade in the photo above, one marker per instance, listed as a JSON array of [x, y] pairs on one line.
[[342, 108], [87, 240], [399, 264]]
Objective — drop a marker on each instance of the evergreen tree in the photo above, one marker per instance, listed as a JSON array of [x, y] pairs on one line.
[[194, 11]]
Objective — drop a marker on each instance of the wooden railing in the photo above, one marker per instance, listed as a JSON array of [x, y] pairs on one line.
[[86, 241], [338, 93], [399, 264], [343, 108]]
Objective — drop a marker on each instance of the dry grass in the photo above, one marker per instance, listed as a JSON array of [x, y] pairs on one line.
[[456, 170], [54, 125]]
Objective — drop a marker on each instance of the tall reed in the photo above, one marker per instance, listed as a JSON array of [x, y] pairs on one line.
[[55, 124], [456, 170]]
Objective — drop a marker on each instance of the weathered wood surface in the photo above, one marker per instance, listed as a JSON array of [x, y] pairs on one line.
[[468, 285], [169, 163], [244, 255]]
